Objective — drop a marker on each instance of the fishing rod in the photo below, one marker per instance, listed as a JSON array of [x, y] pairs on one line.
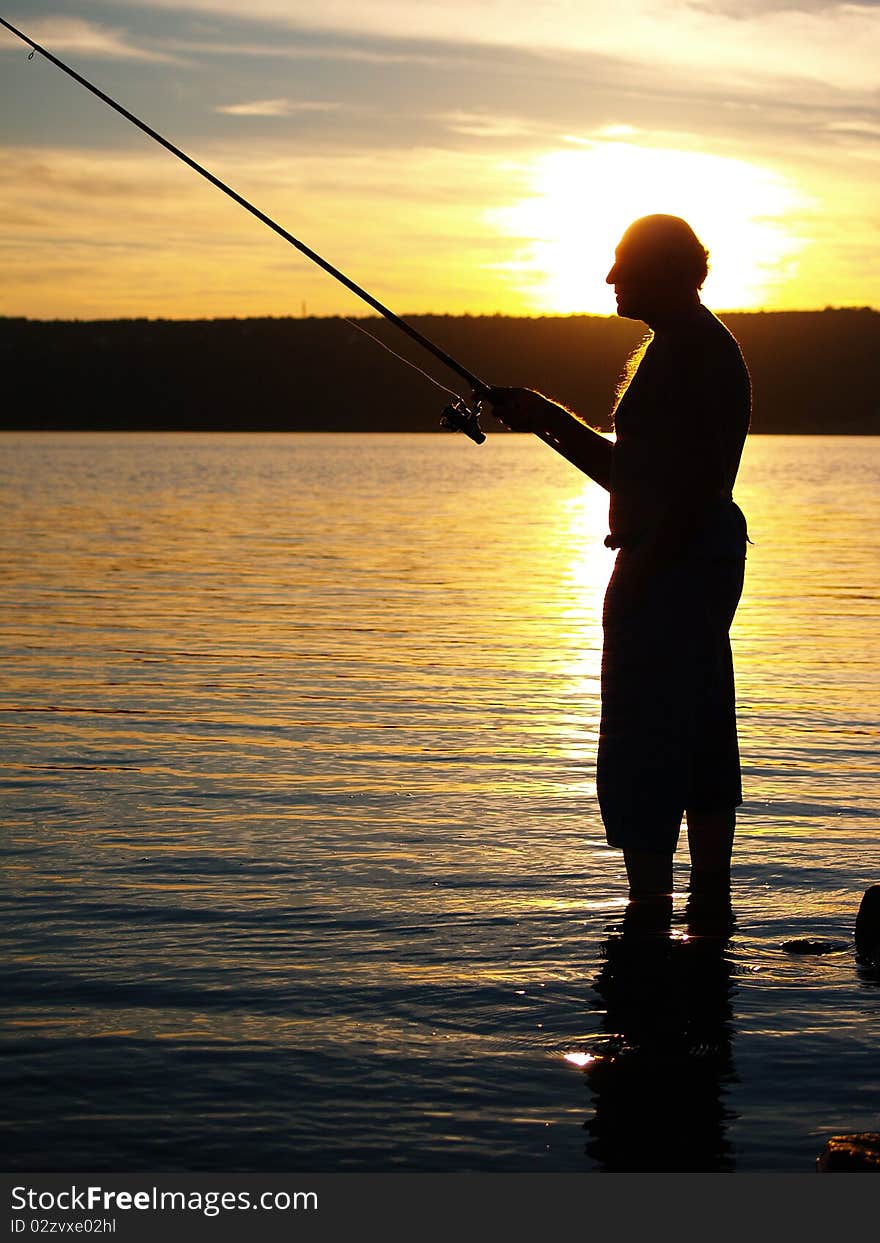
[[459, 415]]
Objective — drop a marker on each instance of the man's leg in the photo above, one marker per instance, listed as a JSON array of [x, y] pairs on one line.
[[710, 838], [649, 874], [650, 891]]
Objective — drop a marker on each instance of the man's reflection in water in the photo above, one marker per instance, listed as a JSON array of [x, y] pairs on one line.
[[663, 1070]]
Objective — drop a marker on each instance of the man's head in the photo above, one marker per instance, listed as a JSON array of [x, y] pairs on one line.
[[659, 268]]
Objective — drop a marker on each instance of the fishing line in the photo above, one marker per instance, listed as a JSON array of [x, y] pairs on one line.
[[407, 361], [459, 415]]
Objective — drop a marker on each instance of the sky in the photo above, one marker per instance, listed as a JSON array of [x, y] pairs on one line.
[[451, 156]]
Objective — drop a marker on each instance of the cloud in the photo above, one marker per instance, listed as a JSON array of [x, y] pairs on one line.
[[398, 224], [865, 129], [399, 88], [73, 34], [434, 115], [321, 49], [276, 107], [838, 44], [484, 125]]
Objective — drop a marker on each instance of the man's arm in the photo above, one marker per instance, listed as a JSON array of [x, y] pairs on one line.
[[523, 410]]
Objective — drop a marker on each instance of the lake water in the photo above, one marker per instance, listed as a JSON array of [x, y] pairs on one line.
[[304, 864]]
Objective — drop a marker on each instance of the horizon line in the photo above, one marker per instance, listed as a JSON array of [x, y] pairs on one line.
[[203, 319]]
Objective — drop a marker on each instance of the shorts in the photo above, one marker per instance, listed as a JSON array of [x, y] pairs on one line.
[[668, 738]]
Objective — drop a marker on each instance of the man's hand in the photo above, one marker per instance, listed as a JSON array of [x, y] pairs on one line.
[[521, 409], [524, 410]]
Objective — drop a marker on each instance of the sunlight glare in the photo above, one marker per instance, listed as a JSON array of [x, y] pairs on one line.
[[581, 1060], [584, 199]]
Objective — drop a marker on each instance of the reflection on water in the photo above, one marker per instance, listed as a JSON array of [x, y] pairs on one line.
[[662, 1072], [305, 865]]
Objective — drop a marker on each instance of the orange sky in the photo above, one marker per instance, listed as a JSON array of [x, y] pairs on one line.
[[450, 157]]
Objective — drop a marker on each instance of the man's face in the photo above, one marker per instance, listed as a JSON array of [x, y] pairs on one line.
[[635, 279]]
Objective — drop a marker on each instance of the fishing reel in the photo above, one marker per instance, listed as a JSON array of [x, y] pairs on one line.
[[458, 416]]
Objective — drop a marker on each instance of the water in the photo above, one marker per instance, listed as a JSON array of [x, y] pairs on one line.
[[305, 869]]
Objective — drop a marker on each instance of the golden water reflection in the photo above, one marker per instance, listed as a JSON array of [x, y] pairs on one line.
[[300, 757]]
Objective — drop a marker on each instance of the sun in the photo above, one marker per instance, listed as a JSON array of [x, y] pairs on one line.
[[584, 198]]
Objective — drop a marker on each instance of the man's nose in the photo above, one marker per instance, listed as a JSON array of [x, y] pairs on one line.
[[611, 278]]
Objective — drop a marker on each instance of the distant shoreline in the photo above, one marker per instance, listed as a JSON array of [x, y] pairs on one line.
[[409, 316], [813, 372], [488, 428]]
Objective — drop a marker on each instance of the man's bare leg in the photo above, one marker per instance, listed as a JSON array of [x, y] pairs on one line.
[[649, 874], [650, 890], [710, 838]]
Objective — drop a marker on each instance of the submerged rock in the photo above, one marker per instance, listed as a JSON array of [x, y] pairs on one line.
[[868, 924], [808, 945], [858, 1153], [867, 933]]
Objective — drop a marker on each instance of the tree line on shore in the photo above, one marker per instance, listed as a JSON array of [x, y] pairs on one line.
[[812, 371]]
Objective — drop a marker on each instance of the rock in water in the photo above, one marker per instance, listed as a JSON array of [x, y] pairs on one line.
[[807, 945], [851, 1154], [868, 924]]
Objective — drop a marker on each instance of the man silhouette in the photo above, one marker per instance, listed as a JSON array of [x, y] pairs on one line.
[[667, 743]]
